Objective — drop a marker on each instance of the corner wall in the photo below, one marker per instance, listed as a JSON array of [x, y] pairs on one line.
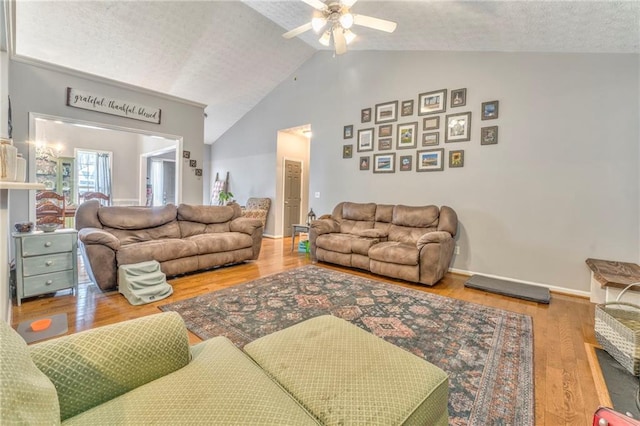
[[561, 185]]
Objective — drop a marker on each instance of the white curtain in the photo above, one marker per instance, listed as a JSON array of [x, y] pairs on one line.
[[103, 173], [157, 182]]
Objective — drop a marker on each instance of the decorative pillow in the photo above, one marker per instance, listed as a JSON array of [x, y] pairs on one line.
[[27, 396]]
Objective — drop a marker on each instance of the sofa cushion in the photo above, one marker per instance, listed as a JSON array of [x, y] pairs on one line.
[[362, 245], [340, 243], [416, 217], [131, 236], [94, 366], [220, 386], [384, 213], [136, 217], [395, 252], [407, 235], [359, 211], [345, 375], [216, 243], [160, 250], [27, 396], [206, 214]]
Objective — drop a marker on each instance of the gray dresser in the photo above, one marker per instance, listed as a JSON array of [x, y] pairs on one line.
[[46, 262]]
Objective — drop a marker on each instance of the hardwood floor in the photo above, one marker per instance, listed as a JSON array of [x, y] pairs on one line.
[[565, 392]]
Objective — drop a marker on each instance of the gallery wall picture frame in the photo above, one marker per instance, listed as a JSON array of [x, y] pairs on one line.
[[430, 160], [489, 135], [490, 110], [456, 158], [198, 172], [384, 163], [347, 151], [186, 154], [458, 98], [365, 140], [387, 112], [385, 144], [365, 115], [364, 162], [432, 102], [406, 108], [431, 138], [385, 131], [406, 163], [347, 132], [193, 163], [458, 127], [430, 123], [407, 135]]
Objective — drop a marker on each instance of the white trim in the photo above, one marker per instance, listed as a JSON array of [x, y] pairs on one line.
[[553, 288], [272, 236]]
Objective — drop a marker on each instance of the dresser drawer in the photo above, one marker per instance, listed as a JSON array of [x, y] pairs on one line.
[[48, 283], [46, 244], [37, 265]]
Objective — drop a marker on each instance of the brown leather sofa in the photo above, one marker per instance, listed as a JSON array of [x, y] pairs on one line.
[[410, 243], [182, 239]]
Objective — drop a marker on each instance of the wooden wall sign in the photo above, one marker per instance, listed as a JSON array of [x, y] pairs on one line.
[[92, 102]]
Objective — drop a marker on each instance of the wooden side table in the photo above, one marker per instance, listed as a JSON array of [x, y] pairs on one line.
[[296, 229], [45, 262]]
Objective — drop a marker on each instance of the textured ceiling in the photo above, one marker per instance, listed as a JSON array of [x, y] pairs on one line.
[[230, 54]]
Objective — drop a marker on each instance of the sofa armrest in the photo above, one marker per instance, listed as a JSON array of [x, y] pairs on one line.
[[324, 226], [251, 227], [95, 366], [319, 227], [90, 236], [433, 237], [245, 225]]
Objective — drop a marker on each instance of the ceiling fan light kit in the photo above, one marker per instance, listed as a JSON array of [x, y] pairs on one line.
[[340, 20]]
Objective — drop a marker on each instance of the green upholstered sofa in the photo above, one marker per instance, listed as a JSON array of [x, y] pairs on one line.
[[321, 371]]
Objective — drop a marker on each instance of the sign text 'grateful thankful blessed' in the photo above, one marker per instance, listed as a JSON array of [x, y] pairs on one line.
[[85, 100]]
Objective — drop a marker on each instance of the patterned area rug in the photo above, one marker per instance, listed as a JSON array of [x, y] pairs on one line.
[[487, 352]]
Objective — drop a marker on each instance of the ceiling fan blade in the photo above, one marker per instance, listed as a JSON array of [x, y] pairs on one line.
[[297, 31], [339, 41], [375, 23], [316, 4], [348, 3]]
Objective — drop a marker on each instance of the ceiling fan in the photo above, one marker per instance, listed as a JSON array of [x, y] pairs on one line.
[[336, 16]]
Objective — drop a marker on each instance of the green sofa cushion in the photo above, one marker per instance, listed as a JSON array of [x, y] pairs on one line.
[[220, 386], [92, 367], [345, 375], [27, 396]]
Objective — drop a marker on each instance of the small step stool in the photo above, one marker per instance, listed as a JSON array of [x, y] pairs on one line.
[[143, 282]]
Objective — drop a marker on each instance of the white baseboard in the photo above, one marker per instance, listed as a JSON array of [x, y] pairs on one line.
[[271, 236], [553, 288]]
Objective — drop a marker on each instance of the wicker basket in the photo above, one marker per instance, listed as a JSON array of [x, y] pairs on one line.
[[618, 331]]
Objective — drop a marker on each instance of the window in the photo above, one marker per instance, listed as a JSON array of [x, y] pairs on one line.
[[94, 171]]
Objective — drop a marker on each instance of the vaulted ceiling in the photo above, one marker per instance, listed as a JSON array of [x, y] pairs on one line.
[[230, 54]]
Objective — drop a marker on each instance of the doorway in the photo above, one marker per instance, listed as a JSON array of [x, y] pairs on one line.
[[292, 194], [65, 137]]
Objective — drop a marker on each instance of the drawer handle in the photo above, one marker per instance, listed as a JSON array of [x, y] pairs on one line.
[[47, 244], [48, 262], [49, 282]]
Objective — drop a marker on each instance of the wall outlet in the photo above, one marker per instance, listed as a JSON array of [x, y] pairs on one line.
[[457, 249], [317, 195]]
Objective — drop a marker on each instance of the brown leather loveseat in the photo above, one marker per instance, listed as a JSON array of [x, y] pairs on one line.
[[182, 239], [410, 243]]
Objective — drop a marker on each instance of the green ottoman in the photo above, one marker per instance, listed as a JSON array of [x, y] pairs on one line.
[[344, 375]]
